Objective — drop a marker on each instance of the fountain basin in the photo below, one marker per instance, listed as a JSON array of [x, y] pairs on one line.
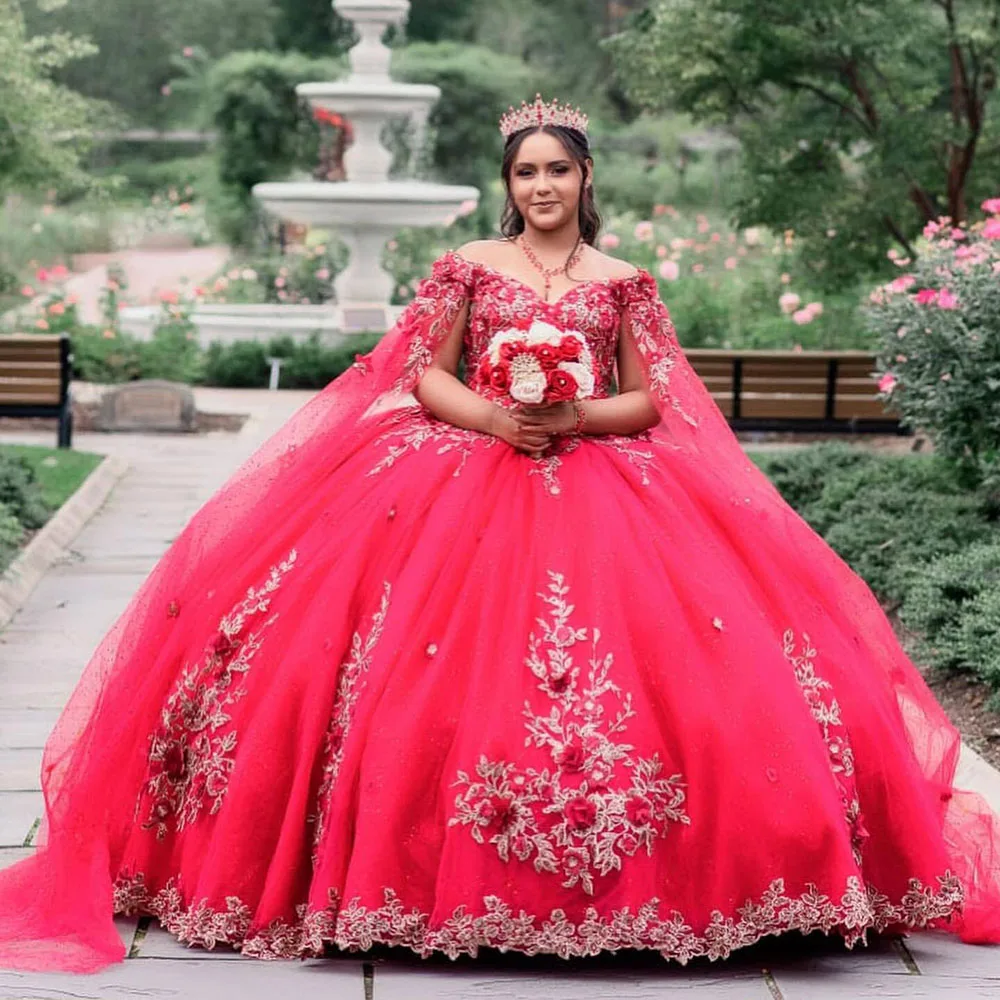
[[388, 205], [229, 323]]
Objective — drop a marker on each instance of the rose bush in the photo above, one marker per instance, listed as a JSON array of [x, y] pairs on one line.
[[938, 326]]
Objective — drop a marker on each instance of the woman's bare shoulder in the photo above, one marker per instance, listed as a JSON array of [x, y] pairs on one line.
[[482, 251], [611, 267]]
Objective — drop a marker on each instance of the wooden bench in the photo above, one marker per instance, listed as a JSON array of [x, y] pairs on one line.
[[35, 373], [793, 390]]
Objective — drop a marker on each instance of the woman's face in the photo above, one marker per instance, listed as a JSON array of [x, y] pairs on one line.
[[545, 182]]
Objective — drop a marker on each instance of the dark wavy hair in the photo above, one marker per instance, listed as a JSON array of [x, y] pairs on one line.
[[576, 144]]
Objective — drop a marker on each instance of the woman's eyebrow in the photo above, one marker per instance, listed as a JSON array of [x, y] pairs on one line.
[[551, 163]]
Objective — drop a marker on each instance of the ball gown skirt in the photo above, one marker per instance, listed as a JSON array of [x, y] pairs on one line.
[[427, 691]]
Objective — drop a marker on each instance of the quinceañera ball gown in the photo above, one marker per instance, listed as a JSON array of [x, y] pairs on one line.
[[398, 682]]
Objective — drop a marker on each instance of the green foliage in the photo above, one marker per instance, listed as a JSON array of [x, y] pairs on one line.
[[312, 27], [20, 493], [476, 88], [44, 127], [801, 475], [11, 533], [942, 357], [302, 275], [265, 130], [307, 364], [888, 517], [139, 42], [954, 606], [853, 117], [105, 359]]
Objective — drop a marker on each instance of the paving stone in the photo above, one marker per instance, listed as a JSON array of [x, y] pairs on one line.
[[18, 812], [23, 728], [204, 979], [575, 981], [846, 986], [939, 954], [20, 770], [8, 855]]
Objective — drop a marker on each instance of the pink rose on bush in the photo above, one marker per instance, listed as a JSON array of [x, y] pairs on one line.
[[609, 241], [887, 382], [669, 270], [789, 302], [947, 300], [803, 316], [644, 231], [926, 296], [991, 230]]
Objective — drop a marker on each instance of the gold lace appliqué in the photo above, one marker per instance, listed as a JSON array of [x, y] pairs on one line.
[[192, 752], [573, 819]]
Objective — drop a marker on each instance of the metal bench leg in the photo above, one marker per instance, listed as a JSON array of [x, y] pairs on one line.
[[65, 438]]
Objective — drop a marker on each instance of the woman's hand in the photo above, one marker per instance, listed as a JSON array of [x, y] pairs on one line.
[[551, 418], [505, 425]]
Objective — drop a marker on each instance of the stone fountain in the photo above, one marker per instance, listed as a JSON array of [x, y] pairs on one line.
[[367, 208], [364, 211]]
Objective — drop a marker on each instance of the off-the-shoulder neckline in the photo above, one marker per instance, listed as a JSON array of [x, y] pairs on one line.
[[639, 274]]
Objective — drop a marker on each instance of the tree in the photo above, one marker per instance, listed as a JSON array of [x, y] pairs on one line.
[[136, 41], [43, 126], [860, 122], [311, 26]]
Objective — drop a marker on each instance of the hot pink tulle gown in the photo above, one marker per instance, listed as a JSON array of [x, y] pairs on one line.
[[398, 682]]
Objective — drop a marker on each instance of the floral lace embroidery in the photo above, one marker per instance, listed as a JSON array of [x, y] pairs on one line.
[[350, 673], [413, 428], [575, 820], [548, 465], [192, 752], [629, 446], [655, 338], [433, 314], [357, 928], [826, 711]]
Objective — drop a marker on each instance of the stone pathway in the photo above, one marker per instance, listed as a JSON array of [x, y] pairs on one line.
[[46, 646]]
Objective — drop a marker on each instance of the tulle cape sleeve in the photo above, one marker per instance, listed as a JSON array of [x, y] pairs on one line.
[[56, 905], [711, 461]]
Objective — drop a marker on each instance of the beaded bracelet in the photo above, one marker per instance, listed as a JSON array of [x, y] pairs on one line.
[[581, 418]]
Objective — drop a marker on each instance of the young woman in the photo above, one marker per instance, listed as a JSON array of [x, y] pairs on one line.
[[535, 660]]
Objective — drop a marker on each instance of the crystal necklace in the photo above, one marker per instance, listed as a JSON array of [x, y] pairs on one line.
[[548, 273]]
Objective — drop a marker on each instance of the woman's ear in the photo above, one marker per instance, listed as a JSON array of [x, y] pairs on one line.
[[588, 173]]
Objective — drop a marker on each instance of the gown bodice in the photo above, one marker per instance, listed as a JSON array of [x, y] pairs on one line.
[[499, 301]]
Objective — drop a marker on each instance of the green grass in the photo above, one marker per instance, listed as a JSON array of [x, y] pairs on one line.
[[59, 471]]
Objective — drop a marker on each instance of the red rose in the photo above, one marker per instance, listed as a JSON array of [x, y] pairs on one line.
[[639, 810], [560, 387], [499, 811], [580, 813], [569, 349], [222, 645], [548, 356], [572, 757], [509, 350], [173, 762], [559, 683], [500, 377], [484, 367]]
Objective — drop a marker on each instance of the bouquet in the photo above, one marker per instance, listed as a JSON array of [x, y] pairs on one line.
[[541, 364]]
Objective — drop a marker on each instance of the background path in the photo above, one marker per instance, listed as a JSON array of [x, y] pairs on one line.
[[48, 643]]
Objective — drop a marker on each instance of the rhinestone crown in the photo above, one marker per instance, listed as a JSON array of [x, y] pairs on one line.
[[540, 113]]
